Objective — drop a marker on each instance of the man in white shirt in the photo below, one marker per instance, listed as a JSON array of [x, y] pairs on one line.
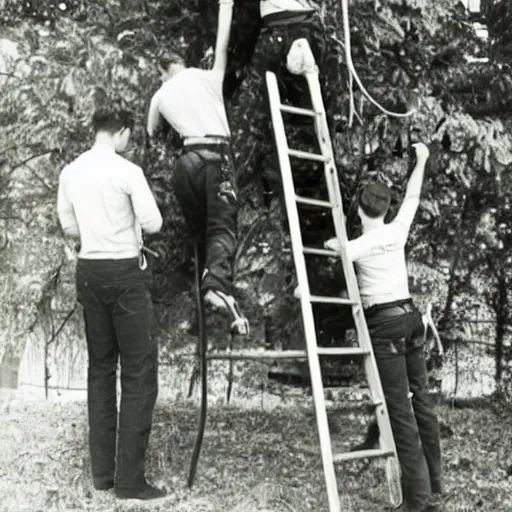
[[191, 101], [397, 332], [105, 201]]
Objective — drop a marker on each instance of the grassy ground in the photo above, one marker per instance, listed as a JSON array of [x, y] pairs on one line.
[[252, 460]]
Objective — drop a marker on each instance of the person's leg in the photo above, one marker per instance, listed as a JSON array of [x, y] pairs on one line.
[[101, 377], [221, 238], [221, 225], [189, 182], [269, 55], [391, 362], [426, 418], [139, 381]]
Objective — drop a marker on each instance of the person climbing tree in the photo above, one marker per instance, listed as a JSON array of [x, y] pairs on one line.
[[191, 101], [397, 333], [282, 22]]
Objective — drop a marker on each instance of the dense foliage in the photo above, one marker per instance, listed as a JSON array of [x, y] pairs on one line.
[[70, 55]]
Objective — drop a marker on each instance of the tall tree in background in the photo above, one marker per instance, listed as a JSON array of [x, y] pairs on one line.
[[414, 53]]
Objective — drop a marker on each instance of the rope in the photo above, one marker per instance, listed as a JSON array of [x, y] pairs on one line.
[[352, 69]]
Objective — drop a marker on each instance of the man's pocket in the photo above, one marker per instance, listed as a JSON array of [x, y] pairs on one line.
[[388, 347]]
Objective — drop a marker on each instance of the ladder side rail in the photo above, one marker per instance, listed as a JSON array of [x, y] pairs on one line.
[[363, 335], [307, 312]]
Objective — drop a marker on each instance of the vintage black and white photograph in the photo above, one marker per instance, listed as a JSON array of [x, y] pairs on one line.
[[256, 255]]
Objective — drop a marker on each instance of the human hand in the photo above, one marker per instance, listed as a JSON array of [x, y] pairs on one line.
[[333, 244], [422, 152]]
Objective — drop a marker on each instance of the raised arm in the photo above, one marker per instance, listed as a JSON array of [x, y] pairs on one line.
[[223, 33], [411, 200], [154, 116]]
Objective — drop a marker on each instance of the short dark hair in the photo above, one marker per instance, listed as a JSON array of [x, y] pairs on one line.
[[112, 120], [167, 58], [375, 199]]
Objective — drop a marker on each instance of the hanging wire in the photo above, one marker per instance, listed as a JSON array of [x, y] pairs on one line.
[[353, 72]]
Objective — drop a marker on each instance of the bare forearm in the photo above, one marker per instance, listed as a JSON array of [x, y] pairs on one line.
[[416, 179], [154, 119], [223, 34]]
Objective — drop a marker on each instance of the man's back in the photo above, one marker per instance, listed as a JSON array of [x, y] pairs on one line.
[[381, 268], [379, 256], [109, 196], [193, 104]]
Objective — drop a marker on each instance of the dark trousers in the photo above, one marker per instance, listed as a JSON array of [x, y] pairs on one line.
[[397, 339], [118, 314], [262, 163], [270, 54], [204, 185]]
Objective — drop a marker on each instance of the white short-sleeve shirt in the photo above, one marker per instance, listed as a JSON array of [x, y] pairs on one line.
[[379, 257], [192, 103]]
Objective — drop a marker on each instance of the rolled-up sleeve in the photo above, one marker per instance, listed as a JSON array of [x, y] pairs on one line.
[[144, 204], [65, 210]]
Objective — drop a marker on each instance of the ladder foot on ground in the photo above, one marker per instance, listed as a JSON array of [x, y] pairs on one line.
[[386, 449]]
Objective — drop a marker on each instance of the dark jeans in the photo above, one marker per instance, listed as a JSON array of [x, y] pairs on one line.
[[262, 163], [270, 54], [118, 314], [201, 179], [397, 339]]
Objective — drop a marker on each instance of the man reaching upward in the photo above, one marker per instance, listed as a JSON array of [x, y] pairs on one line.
[[396, 330], [191, 101]]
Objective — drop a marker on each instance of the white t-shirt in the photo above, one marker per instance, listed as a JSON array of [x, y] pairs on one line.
[[379, 257], [193, 104], [273, 6], [106, 200]]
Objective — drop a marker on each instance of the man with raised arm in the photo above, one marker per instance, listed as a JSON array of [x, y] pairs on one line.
[[105, 201], [191, 101], [396, 330]]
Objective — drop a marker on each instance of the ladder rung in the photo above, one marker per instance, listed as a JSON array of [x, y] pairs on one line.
[[332, 300], [297, 110], [321, 252], [361, 454], [308, 156], [342, 351], [313, 202], [258, 354]]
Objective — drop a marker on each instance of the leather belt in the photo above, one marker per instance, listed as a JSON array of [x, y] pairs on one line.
[[271, 21], [390, 309], [206, 141]]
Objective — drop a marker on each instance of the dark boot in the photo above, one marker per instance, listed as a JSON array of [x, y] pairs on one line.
[[145, 492]]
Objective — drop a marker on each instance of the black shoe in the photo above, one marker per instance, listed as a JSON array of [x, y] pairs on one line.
[[371, 439], [435, 504], [148, 492], [103, 485]]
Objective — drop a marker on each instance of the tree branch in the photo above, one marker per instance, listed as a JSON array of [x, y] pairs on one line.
[[34, 173], [9, 148], [11, 75], [61, 326], [24, 162]]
